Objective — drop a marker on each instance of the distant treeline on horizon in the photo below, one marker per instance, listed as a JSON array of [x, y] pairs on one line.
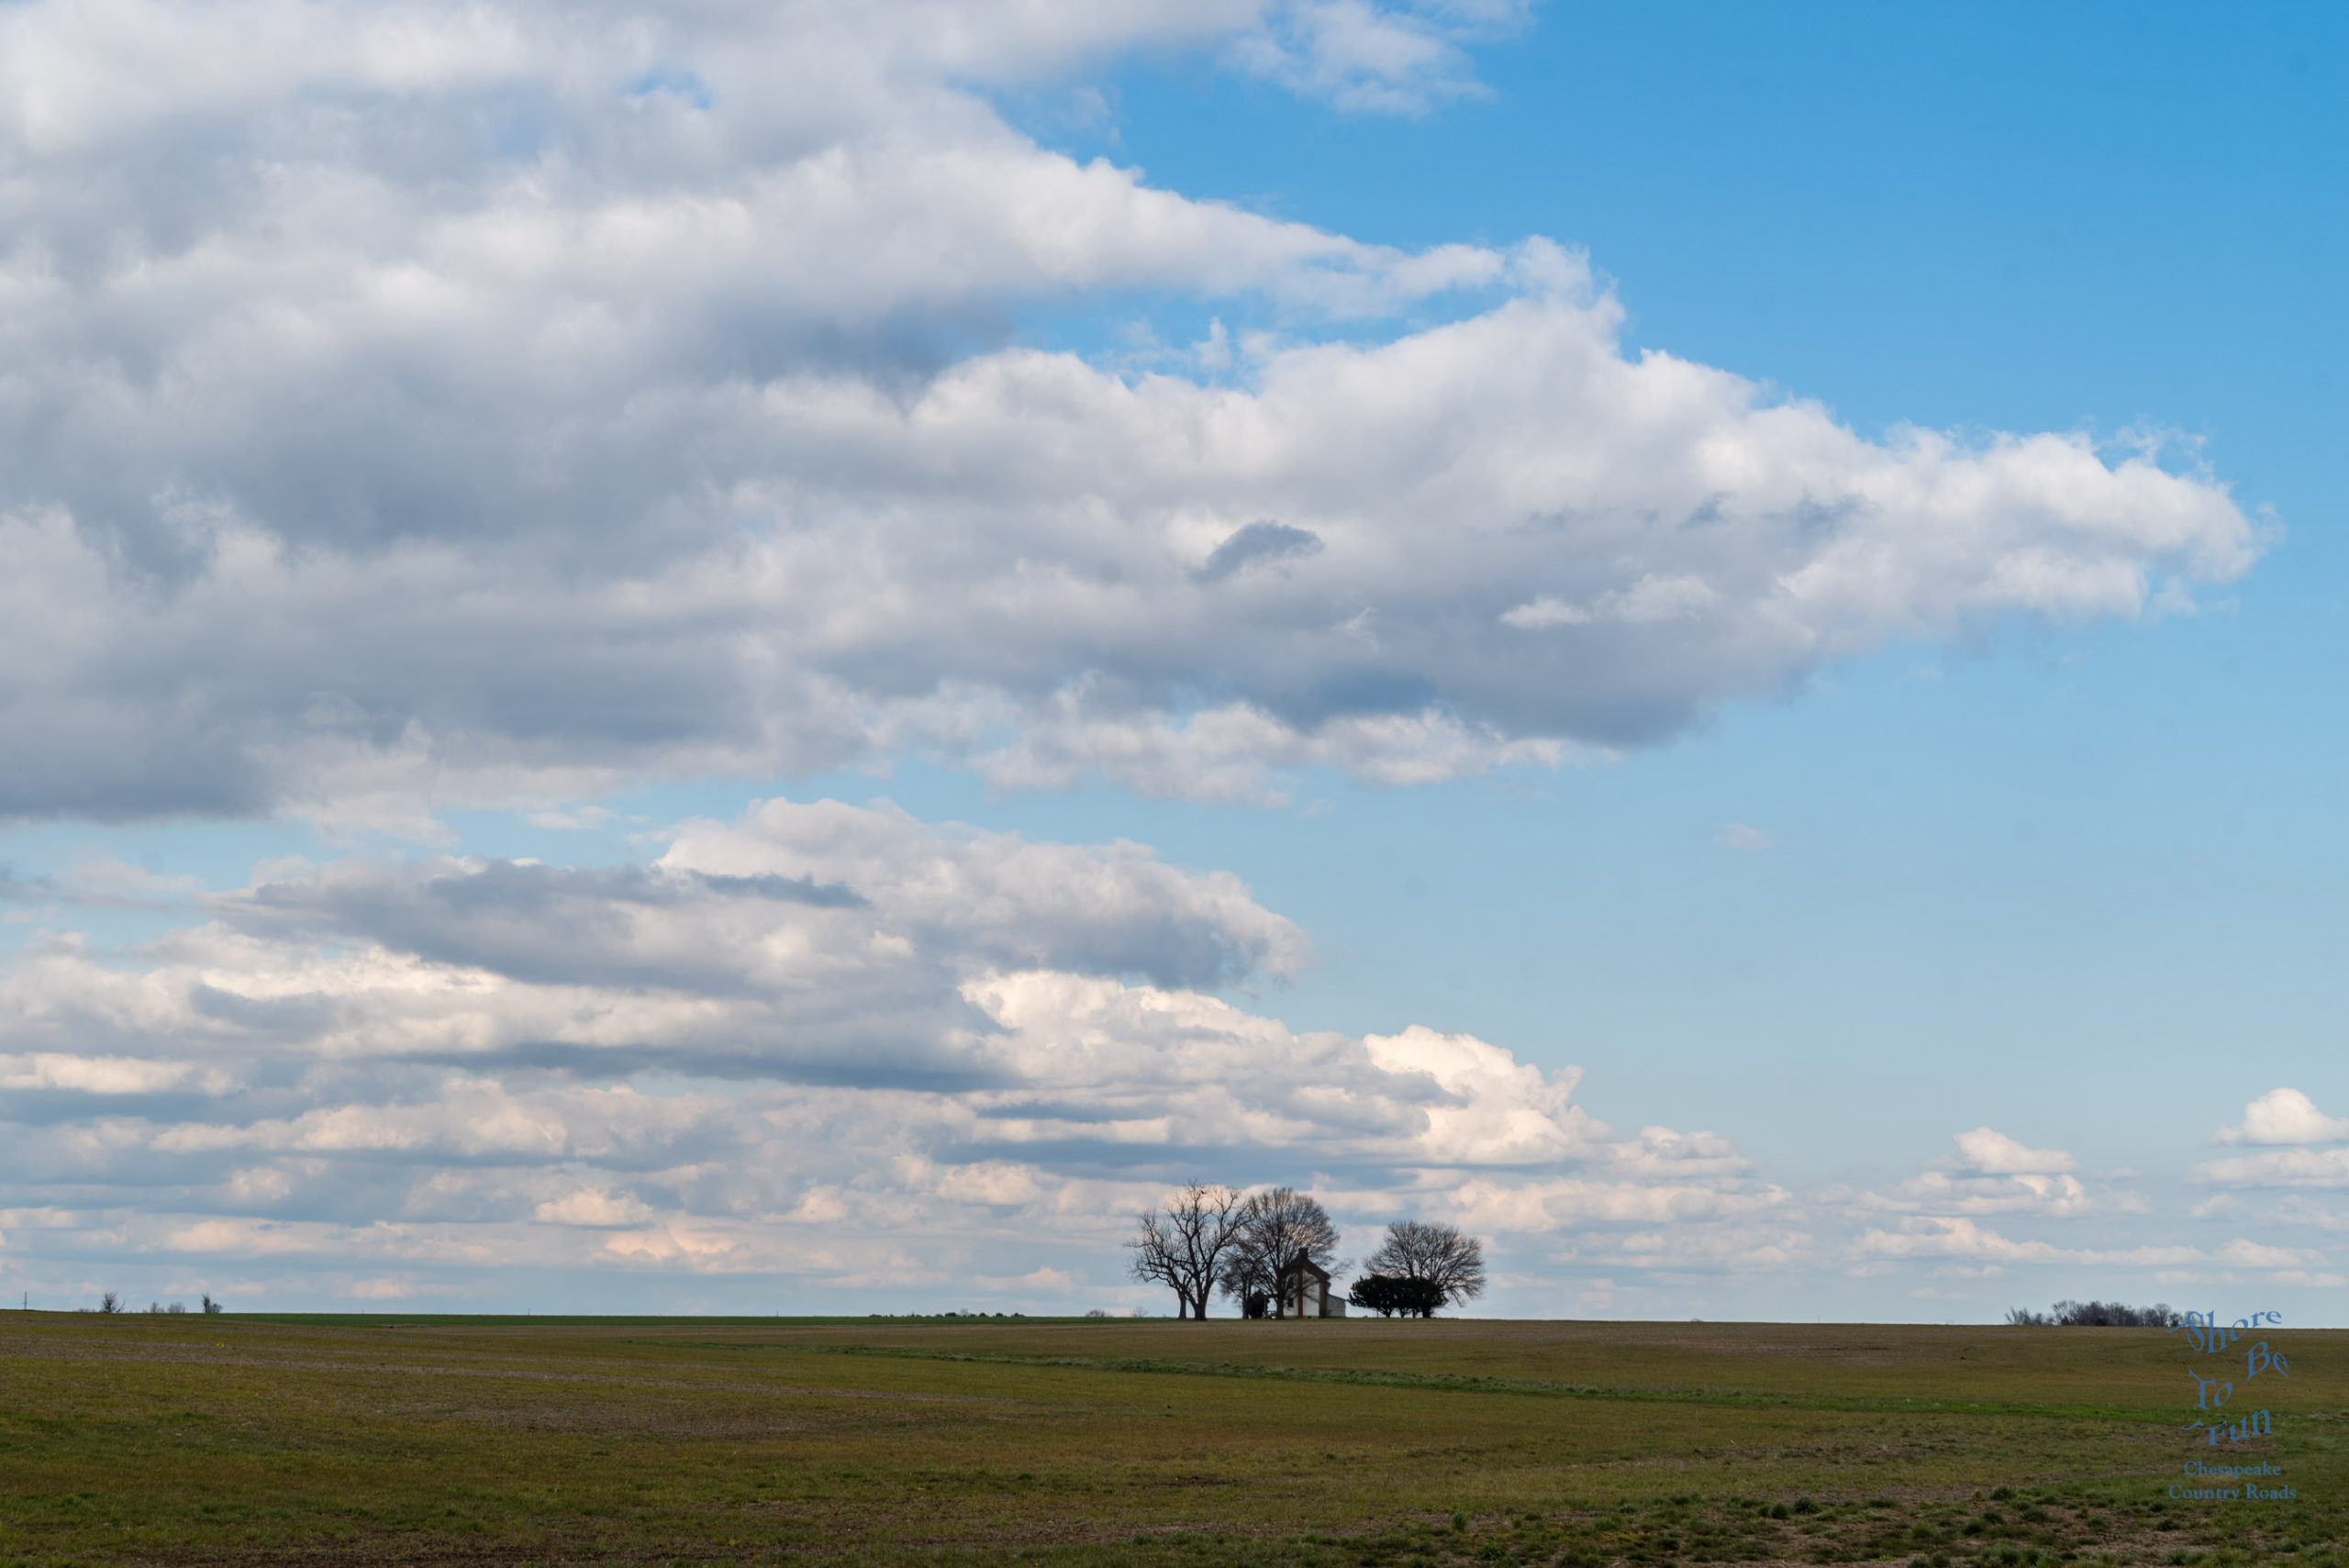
[[2097, 1315]]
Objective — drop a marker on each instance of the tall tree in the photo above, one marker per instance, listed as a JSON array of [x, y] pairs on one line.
[[1184, 1244], [1278, 1230], [1443, 1255]]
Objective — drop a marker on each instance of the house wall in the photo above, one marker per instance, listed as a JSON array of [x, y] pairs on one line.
[[1310, 1298]]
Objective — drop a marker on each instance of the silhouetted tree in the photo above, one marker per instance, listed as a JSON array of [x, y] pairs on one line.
[[109, 1302], [1182, 1247], [1278, 1230], [1388, 1293], [1442, 1256]]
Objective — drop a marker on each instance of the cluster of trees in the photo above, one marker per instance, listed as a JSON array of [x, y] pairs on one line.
[[1419, 1267], [2097, 1315], [110, 1302], [1208, 1238]]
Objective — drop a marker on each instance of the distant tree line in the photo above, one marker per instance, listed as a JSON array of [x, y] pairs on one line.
[[2095, 1315], [1210, 1238], [110, 1302]]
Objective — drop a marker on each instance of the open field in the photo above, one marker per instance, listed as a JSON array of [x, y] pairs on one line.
[[215, 1440]]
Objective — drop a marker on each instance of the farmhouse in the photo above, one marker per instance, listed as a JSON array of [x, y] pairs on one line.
[[1305, 1292]]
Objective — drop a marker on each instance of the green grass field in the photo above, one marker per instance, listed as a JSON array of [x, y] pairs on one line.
[[157, 1439]]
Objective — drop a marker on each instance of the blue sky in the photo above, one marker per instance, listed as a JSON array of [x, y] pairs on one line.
[[2053, 865]]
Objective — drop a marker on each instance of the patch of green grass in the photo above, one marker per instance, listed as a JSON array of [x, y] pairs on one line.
[[973, 1441]]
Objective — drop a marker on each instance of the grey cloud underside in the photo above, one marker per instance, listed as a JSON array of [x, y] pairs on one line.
[[833, 950], [15, 889], [879, 1053], [865, 997], [853, 625], [1257, 543], [453, 405], [548, 925]]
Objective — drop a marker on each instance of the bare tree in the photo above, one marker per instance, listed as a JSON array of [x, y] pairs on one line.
[[1278, 1231], [1183, 1246], [1442, 1256], [109, 1302]]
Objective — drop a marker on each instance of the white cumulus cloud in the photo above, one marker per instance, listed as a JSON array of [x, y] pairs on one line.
[[2285, 1116]]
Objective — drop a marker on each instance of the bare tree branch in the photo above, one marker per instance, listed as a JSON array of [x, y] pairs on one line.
[[1184, 1247], [1443, 1255], [1278, 1231]]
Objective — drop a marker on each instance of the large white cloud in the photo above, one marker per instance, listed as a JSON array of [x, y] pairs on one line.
[[436, 402]]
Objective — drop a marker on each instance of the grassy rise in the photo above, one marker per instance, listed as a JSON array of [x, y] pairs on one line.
[[327, 1441]]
